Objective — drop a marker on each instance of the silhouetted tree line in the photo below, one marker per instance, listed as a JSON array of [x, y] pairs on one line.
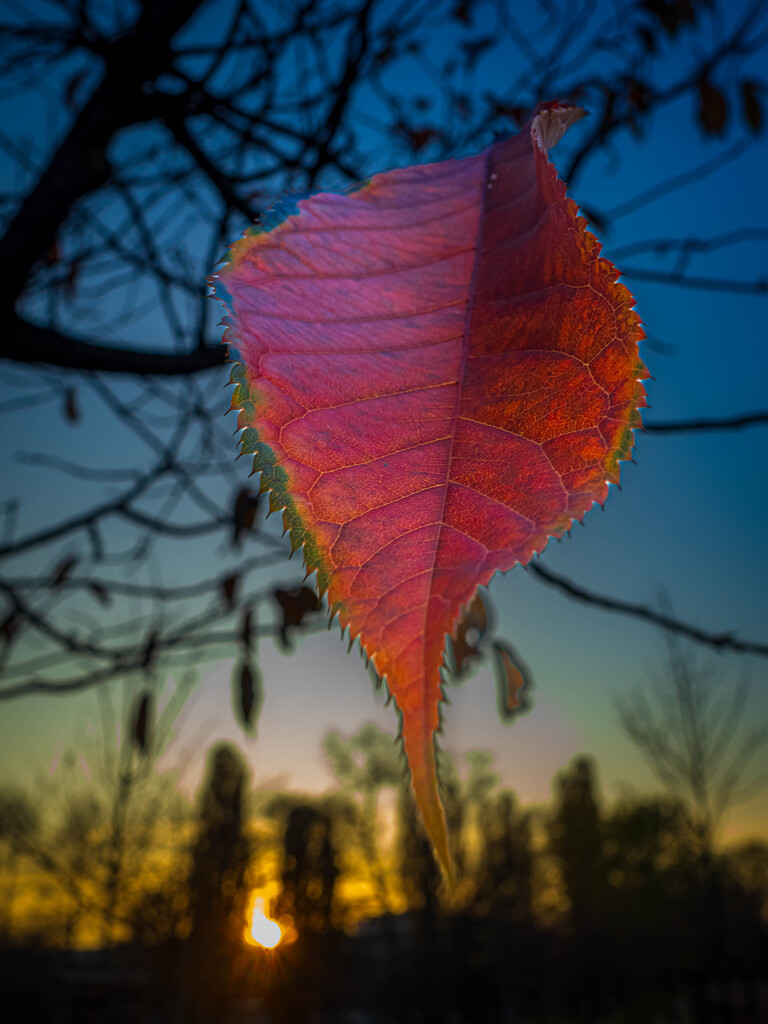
[[577, 911]]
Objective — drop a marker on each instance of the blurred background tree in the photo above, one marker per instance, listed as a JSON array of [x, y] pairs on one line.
[[583, 909], [96, 841], [217, 885], [695, 734]]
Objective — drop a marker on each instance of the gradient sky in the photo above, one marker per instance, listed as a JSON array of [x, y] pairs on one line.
[[688, 520]]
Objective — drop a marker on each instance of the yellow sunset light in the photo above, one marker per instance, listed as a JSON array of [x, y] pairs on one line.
[[262, 931]]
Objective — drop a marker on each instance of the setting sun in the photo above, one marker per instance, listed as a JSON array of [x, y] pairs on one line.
[[262, 931]]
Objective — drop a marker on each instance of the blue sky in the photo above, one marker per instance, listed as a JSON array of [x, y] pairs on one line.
[[688, 520]]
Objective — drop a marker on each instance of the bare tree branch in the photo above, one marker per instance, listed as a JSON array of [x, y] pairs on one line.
[[679, 279], [80, 165], [23, 342], [720, 641], [748, 419]]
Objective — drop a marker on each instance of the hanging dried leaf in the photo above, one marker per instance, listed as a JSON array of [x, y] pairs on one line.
[[462, 11], [513, 681], [246, 627], [244, 514], [753, 110], [419, 138], [248, 696], [468, 636], [295, 604], [140, 730], [713, 108], [71, 405], [672, 14], [229, 589]]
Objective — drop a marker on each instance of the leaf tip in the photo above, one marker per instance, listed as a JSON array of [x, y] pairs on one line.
[[552, 120]]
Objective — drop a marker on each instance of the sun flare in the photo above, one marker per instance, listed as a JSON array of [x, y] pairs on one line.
[[262, 931]]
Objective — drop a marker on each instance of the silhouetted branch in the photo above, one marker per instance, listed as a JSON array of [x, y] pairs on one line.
[[23, 342], [691, 246], [129, 666], [222, 182], [745, 38], [80, 165], [677, 181], [709, 284], [724, 423], [720, 641]]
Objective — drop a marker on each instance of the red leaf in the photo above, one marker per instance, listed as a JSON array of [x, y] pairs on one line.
[[440, 372]]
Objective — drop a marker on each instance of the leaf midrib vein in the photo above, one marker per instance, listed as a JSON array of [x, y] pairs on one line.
[[456, 411]]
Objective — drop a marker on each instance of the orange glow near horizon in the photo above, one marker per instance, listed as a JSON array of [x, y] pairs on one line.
[[262, 931]]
